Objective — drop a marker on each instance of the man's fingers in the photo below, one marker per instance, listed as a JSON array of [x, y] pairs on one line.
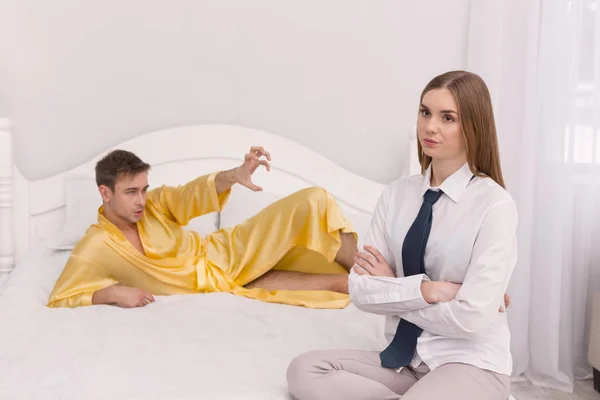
[[260, 151], [251, 157], [256, 149], [256, 158], [266, 164], [254, 187]]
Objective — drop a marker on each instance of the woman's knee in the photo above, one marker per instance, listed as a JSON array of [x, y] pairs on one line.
[[299, 368], [300, 372]]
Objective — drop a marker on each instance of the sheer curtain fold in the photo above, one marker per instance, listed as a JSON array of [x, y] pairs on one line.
[[542, 62]]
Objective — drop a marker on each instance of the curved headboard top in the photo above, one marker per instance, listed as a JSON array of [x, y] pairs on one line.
[[229, 144]]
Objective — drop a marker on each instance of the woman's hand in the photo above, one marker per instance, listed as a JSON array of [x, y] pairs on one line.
[[372, 263], [506, 303]]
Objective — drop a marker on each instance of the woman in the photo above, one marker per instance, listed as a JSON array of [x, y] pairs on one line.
[[437, 260]]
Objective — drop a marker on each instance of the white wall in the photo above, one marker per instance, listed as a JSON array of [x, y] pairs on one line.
[[342, 77]]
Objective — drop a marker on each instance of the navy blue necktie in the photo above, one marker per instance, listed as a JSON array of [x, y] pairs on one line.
[[401, 350]]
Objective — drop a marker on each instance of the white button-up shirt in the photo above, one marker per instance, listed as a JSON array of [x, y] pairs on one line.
[[472, 242]]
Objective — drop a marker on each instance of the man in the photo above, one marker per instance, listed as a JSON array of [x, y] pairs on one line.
[[139, 249]]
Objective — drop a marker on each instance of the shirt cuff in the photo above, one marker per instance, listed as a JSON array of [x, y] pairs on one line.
[[78, 300], [86, 298], [401, 290], [218, 201]]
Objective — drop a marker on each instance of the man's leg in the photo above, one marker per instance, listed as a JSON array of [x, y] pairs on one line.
[[345, 255], [346, 375], [458, 382], [310, 219], [292, 280]]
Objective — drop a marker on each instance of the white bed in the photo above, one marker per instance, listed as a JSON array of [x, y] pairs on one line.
[[215, 346], [205, 346]]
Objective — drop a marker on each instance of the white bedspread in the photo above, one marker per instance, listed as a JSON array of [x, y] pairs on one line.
[[205, 346]]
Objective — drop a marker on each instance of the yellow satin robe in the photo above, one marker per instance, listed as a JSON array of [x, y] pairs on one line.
[[299, 232]]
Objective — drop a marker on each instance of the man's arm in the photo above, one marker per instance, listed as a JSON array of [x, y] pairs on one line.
[[208, 193], [78, 282], [194, 199], [84, 283], [225, 180]]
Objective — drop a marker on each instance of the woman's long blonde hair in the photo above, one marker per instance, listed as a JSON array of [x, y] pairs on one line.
[[476, 121]]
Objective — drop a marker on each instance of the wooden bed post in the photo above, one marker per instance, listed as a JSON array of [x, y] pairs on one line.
[[6, 225]]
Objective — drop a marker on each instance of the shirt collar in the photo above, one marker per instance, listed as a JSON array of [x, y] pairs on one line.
[[454, 186], [108, 226]]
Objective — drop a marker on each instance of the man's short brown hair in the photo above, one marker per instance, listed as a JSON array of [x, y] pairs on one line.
[[116, 164]]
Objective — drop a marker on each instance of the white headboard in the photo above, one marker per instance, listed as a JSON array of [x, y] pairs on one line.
[[176, 155], [7, 257]]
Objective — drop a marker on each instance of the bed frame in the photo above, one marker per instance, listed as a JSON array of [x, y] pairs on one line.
[[32, 210], [7, 257]]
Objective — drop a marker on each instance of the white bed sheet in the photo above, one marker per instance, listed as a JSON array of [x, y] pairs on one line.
[[205, 346]]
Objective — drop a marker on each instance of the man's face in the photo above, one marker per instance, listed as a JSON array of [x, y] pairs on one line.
[[128, 199]]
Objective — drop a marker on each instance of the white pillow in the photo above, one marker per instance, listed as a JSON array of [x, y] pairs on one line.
[[244, 203], [359, 220], [82, 201], [204, 224]]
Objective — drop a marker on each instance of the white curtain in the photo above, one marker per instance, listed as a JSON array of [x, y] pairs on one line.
[[541, 60]]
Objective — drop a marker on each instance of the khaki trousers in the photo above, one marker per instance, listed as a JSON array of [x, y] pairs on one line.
[[355, 374]]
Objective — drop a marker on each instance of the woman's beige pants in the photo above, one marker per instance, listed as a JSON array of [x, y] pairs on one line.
[[355, 374]]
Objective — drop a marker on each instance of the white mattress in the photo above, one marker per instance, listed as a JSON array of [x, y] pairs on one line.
[[205, 346]]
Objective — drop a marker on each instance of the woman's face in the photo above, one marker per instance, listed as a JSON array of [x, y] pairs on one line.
[[438, 127]]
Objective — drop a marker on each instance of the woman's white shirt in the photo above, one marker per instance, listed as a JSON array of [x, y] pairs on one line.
[[472, 242]]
